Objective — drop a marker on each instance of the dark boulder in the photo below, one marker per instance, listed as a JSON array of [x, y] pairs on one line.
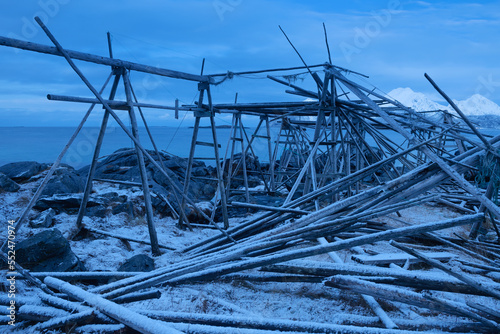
[[47, 251], [100, 211], [6, 184], [44, 219], [22, 171], [127, 207], [237, 172], [64, 181], [68, 203], [139, 262]]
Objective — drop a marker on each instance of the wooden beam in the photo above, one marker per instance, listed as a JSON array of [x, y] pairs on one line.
[[40, 48]]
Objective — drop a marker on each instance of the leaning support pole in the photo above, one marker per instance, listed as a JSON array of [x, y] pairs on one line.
[[122, 125], [47, 177], [95, 157], [459, 112]]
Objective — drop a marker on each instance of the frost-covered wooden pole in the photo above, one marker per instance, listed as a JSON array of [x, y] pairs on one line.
[[120, 313], [405, 296], [374, 305], [217, 271], [447, 269]]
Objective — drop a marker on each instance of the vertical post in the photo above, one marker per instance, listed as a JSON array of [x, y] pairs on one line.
[[220, 177], [189, 168], [269, 149], [232, 136], [176, 108], [95, 157], [155, 248], [244, 161], [201, 88]]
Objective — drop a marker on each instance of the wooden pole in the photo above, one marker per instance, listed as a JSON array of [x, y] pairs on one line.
[[120, 313], [220, 175], [447, 269], [142, 169], [15, 43], [189, 168], [95, 157], [372, 303], [462, 115]]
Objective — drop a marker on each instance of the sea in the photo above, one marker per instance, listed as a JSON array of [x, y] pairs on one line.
[[44, 144]]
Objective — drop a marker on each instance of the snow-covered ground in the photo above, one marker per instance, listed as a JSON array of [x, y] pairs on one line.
[[310, 302]]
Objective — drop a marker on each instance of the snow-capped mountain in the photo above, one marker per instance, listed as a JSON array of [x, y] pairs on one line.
[[416, 101], [476, 105]]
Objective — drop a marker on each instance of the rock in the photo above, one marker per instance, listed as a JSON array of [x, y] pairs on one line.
[[114, 197], [139, 262], [22, 171], [47, 251], [252, 166], [68, 203], [64, 181], [44, 219], [200, 171], [6, 184], [163, 181], [127, 207], [100, 211]]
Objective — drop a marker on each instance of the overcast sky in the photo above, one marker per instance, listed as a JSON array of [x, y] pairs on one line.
[[394, 42]]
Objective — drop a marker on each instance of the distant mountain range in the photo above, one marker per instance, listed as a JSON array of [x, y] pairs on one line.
[[479, 109]]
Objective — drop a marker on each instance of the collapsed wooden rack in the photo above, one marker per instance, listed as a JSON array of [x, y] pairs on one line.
[[337, 165]]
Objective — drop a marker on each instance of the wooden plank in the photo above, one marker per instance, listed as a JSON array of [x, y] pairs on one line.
[[202, 143], [399, 258]]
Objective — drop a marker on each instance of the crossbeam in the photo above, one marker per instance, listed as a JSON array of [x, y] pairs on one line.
[[91, 58]]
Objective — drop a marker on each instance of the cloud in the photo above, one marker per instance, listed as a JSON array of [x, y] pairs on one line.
[[450, 39]]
